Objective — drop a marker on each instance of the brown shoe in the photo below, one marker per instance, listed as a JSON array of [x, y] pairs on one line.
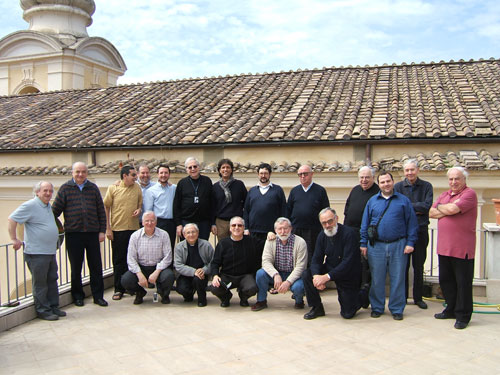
[[259, 305], [139, 297]]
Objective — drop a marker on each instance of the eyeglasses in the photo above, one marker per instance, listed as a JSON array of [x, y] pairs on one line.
[[303, 174], [237, 225], [192, 167], [328, 222], [133, 174]]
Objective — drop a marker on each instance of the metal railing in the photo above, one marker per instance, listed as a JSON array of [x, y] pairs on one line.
[[15, 277]]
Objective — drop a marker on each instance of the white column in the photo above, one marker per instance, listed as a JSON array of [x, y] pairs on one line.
[[492, 262]]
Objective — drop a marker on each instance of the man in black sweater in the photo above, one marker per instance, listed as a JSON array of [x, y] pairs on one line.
[[304, 204], [234, 265], [354, 207], [193, 200]]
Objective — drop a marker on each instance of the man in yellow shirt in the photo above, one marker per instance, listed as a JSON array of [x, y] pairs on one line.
[[123, 204]]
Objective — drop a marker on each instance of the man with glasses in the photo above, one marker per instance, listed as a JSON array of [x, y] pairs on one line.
[[304, 204], [144, 181], [123, 206], [193, 200], [234, 265], [84, 225]]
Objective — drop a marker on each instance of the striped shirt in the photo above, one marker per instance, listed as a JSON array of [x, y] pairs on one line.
[[144, 250]]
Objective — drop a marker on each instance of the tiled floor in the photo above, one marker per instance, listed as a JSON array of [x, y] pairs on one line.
[[182, 338]]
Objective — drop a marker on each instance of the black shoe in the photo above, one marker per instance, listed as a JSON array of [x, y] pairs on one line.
[[375, 314], [225, 301], [315, 312], [58, 312], [139, 296], [79, 302], [165, 300], [101, 302], [443, 315], [397, 316], [202, 303], [188, 299], [299, 305], [244, 303], [421, 304], [48, 316], [460, 325]]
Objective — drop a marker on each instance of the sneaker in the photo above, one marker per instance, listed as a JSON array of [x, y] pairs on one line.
[[259, 305]]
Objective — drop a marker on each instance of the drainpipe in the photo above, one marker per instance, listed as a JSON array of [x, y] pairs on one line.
[[368, 154]]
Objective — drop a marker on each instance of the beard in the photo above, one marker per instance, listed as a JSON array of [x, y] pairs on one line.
[[331, 232], [283, 238]]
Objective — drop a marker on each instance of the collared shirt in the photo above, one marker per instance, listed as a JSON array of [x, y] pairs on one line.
[[265, 189], [123, 201], [306, 189], [284, 254], [399, 221], [147, 250], [80, 186], [160, 200], [420, 195]]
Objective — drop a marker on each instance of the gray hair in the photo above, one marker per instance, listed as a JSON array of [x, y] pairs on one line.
[[148, 213], [190, 159], [460, 169], [367, 168], [143, 165], [190, 225], [236, 218], [410, 161], [282, 220], [327, 209], [79, 162], [38, 186]]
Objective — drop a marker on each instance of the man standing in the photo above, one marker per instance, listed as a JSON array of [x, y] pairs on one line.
[[353, 211], [283, 262], [228, 198], [263, 205], [144, 180], [40, 234], [391, 216], [304, 204], [123, 206], [193, 200], [456, 211], [419, 192], [84, 226], [336, 258], [234, 265], [192, 260], [160, 199], [149, 257]]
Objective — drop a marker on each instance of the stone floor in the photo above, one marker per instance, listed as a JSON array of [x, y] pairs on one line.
[[182, 338]]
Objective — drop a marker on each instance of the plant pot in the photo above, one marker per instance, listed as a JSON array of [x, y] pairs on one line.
[[496, 202]]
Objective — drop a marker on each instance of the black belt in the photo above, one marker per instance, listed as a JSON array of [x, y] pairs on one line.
[[390, 241]]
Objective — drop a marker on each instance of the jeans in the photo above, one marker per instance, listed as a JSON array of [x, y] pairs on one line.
[[264, 280], [384, 257]]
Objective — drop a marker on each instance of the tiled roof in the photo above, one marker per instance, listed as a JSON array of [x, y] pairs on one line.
[[416, 101], [472, 160]]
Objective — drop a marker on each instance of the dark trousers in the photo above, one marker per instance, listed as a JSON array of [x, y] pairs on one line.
[[43, 270], [203, 226], [120, 248], [366, 276], [163, 283], [418, 257], [259, 240], [350, 298], [245, 285], [186, 286], [76, 245], [310, 236], [168, 225], [455, 279]]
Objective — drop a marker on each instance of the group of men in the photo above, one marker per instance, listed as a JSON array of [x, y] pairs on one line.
[[266, 244]]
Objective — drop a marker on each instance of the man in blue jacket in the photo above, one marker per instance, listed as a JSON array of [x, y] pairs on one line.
[[391, 216]]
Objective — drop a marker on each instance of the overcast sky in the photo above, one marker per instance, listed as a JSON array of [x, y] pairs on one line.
[[170, 39]]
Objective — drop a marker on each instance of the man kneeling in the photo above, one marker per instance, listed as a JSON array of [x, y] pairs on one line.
[[149, 258], [283, 262], [336, 257]]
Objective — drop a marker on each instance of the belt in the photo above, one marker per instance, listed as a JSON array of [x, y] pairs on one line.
[[390, 241]]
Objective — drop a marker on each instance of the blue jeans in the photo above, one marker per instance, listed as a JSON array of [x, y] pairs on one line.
[[264, 280], [384, 257]]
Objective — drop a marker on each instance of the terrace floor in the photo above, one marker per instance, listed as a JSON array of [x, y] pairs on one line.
[[182, 338]]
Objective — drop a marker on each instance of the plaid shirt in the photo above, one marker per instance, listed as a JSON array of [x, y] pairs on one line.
[[149, 251], [284, 255]]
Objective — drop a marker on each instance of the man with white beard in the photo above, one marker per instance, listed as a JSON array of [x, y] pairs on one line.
[[336, 257]]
